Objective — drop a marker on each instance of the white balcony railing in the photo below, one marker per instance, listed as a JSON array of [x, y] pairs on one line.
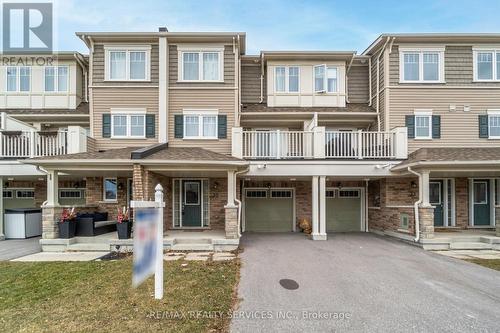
[[25, 144], [320, 144], [277, 144]]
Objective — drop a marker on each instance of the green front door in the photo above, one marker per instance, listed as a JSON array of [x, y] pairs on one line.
[[191, 203], [269, 210], [436, 200], [343, 210], [482, 199]]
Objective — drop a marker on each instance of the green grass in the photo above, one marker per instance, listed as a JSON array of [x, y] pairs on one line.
[[97, 296], [490, 263]]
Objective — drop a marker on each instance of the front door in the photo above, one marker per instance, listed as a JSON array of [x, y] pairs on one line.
[[481, 195], [436, 200], [191, 203]]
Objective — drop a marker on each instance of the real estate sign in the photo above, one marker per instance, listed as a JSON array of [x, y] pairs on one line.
[[145, 238]]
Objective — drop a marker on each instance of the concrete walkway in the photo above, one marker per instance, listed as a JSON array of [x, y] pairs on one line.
[[360, 283], [15, 248], [471, 254], [62, 256]]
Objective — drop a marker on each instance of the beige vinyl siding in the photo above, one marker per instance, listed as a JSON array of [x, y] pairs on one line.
[[229, 79], [250, 82], [459, 128], [98, 66], [221, 99], [357, 84], [105, 99]]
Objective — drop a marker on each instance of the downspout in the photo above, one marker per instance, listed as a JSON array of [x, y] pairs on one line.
[[84, 70], [239, 81], [416, 204], [238, 201], [378, 82], [39, 168], [347, 79], [261, 78], [370, 102]]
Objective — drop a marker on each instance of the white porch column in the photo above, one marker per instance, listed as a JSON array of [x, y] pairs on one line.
[[231, 210], [322, 208], [425, 188], [231, 188], [52, 188], [2, 235], [315, 213]]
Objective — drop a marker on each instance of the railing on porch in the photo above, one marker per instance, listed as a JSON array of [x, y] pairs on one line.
[[277, 144], [360, 145], [25, 144]]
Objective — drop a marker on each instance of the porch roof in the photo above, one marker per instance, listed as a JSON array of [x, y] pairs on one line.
[[450, 158]]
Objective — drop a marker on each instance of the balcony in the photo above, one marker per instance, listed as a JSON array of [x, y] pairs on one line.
[[320, 144]]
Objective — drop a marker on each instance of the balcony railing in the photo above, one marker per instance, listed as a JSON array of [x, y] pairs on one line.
[[320, 144], [25, 144]]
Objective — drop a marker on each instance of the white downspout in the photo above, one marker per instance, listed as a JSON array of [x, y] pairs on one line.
[[84, 71], [261, 78], [416, 204], [238, 201], [378, 82], [370, 102]]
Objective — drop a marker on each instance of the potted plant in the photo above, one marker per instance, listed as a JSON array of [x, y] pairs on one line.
[[124, 225], [67, 223]]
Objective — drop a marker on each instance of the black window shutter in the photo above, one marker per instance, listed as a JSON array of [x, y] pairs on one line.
[[222, 126], [483, 126], [106, 125], [179, 126], [436, 127], [150, 126], [410, 124]]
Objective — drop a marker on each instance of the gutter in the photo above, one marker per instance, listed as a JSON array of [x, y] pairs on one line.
[[416, 204]]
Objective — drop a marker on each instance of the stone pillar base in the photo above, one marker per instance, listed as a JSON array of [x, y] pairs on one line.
[[231, 221], [318, 236], [50, 217], [426, 216]]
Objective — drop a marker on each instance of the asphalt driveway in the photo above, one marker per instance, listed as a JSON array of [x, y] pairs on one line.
[[360, 282]]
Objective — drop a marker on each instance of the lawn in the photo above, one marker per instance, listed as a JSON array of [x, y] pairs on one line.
[[490, 263], [97, 296]]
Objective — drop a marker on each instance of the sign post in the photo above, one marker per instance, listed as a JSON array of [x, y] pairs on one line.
[[148, 241]]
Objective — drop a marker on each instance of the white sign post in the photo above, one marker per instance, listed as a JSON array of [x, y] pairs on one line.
[[149, 223]]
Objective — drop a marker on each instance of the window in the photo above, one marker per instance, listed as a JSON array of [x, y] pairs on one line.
[[486, 65], [278, 194], [404, 221], [330, 193], [421, 66], [287, 79], [348, 193], [256, 193], [7, 194], [201, 66], [423, 125], [191, 193], [56, 78], [127, 64], [128, 125], [480, 192], [494, 125], [71, 193], [25, 194], [110, 189], [200, 125], [325, 79], [18, 79]]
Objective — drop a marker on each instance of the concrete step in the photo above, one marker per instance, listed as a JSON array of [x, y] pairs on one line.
[[192, 247], [470, 246], [88, 247], [465, 239], [193, 240], [490, 239]]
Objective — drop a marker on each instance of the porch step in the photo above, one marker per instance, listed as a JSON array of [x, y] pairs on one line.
[[193, 240], [469, 246], [88, 247], [192, 247]]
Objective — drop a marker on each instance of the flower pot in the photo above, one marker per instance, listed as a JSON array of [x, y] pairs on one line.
[[67, 229], [124, 229]]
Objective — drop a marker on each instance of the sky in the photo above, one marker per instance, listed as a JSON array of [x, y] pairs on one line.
[[276, 25]]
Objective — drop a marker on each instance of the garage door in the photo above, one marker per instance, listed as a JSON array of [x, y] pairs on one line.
[[343, 210], [269, 210]]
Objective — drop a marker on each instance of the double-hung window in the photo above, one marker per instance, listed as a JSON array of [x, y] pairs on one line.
[[202, 66], [287, 79], [325, 79], [56, 78], [200, 124], [18, 78], [423, 125], [128, 125], [494, 124], [127, 64], [421, 66], [486, 65]]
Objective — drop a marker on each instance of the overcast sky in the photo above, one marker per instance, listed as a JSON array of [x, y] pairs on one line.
[[277, 25]]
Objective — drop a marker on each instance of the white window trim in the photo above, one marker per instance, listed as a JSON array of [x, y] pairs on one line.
[[23, 189], [421, 51], [18, 80], [495, 113], [423, 113], [325, 80], [128, 113], [56, 80], [127, 49], [287, 79], [494, 51], [200, 114], [200, 51], [104, 189]]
